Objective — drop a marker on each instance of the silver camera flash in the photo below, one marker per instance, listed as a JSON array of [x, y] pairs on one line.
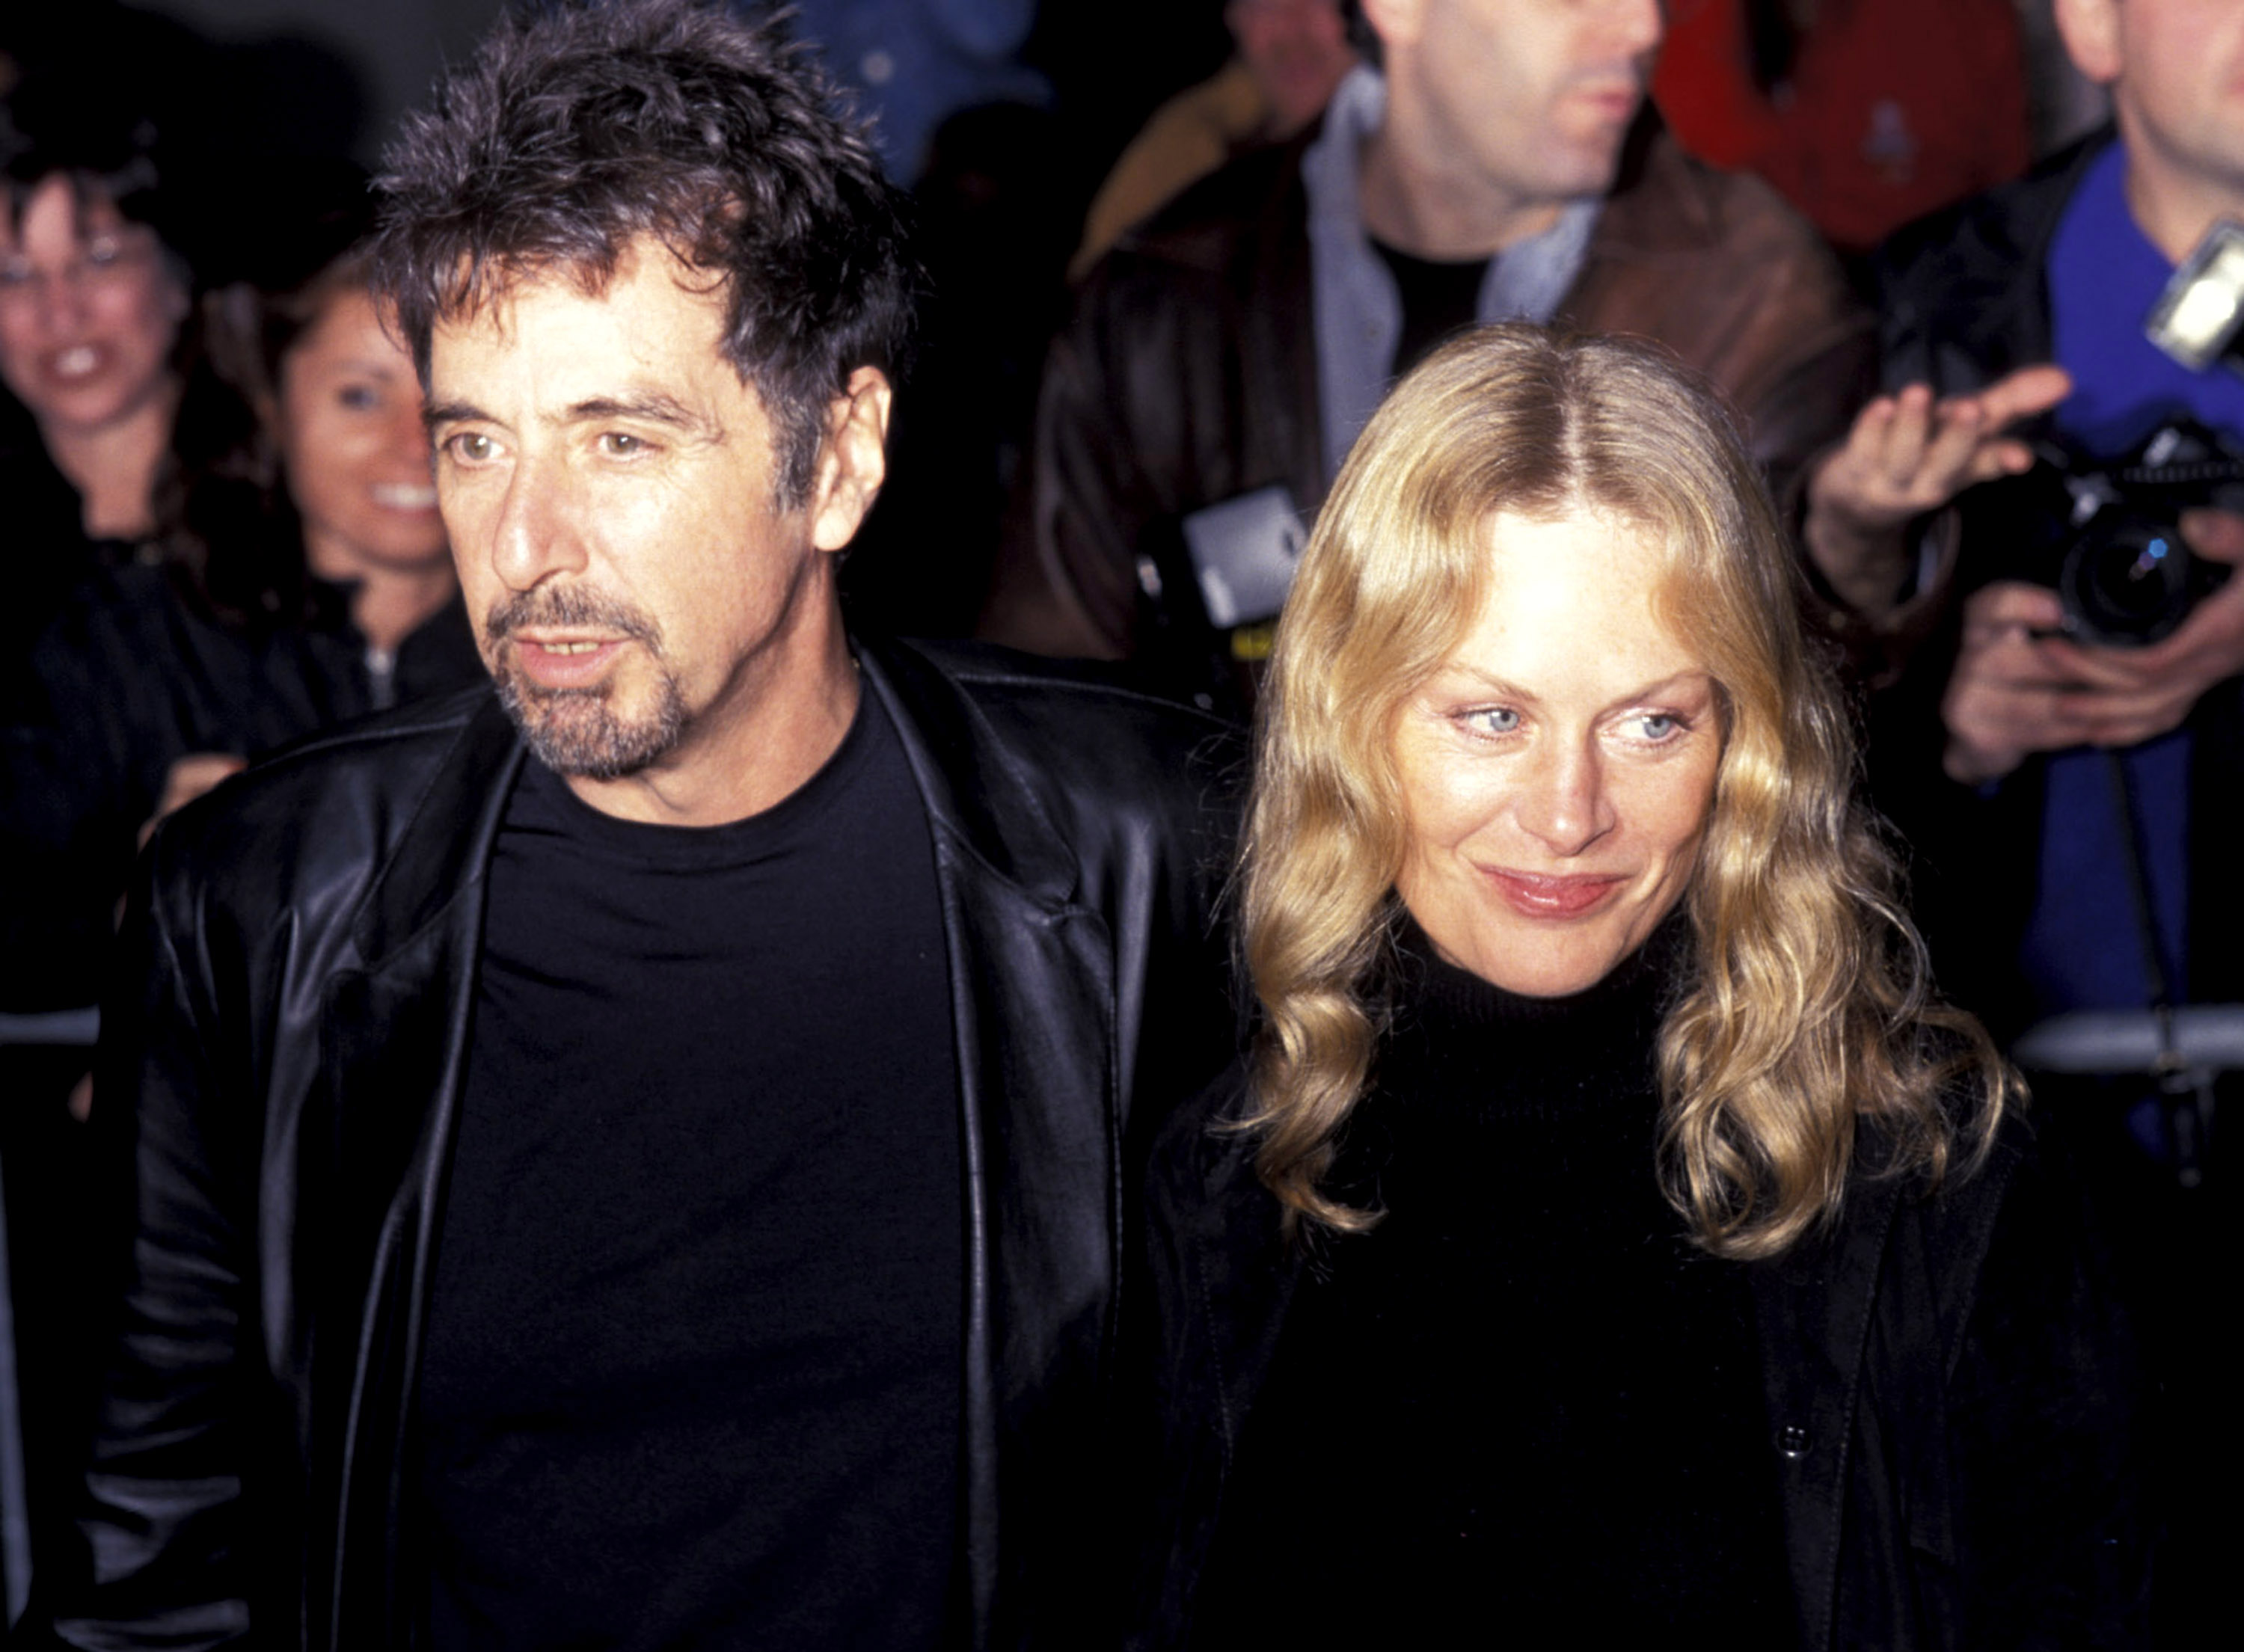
[[2202, 308]]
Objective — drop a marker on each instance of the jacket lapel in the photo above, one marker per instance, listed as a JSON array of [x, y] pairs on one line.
[[1814, 1307], [1032, 997], [394, 1038]]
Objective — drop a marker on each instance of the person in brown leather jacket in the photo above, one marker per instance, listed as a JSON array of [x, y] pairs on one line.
[[1501, 165]]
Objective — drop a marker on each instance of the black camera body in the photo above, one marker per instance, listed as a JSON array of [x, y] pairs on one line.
[[2105, 533]]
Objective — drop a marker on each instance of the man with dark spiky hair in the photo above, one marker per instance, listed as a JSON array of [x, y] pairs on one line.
[[633, 1158]]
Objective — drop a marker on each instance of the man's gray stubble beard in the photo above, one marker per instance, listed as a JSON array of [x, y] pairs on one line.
[[577, 731]]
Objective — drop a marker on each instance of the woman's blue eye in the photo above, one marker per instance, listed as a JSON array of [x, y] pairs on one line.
[[1495, 719]]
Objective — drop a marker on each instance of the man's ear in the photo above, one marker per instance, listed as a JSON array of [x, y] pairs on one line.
[[2090, 28], [853, 461]]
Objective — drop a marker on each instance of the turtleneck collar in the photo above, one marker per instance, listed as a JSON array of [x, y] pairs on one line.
[[1580, 1063], [1648, 978]]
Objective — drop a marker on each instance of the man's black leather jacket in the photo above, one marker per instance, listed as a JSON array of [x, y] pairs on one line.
[[282, 1063]]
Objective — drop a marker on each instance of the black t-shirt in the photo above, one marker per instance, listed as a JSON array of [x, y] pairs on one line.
[[1440, 298], [1522, 1409], [694, 1361]]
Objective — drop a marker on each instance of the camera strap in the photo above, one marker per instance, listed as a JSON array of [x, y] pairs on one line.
[[2139, 883], [2187, 1092]]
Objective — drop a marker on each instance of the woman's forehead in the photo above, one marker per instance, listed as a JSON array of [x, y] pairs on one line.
[[62, 205]]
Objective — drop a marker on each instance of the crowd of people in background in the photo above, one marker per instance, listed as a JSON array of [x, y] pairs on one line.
[[1168, 264]]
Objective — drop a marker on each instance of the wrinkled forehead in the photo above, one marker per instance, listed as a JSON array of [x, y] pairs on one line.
[[482, 291]]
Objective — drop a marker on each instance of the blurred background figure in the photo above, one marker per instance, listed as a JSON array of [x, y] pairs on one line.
[[1003, 118], [1291, 55], [2037, 521], [95, 293], [300, 576], [914, 63], [1496, 162], [1864, 113]]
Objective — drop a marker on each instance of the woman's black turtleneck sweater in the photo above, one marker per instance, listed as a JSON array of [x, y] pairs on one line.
[[1523, 1406]]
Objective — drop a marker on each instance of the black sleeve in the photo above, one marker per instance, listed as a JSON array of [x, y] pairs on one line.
[[156, 1557]]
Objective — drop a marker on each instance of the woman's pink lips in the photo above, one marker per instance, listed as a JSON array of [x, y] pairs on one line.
[[549, 668], [1537, 896]]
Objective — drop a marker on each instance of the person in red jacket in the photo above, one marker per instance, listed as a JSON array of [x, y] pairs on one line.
[[1864, 114]]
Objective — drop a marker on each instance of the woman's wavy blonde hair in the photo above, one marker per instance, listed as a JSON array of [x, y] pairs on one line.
[[1808, 1006]]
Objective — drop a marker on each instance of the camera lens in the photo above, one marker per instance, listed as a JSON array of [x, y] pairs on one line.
[[2130, 585]]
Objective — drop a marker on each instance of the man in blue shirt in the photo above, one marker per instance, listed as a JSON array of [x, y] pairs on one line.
[[2024, 310], [2072, 807]]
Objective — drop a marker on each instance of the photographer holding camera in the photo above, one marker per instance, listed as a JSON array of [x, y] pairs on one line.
[[2023, 314], [2030, 537]]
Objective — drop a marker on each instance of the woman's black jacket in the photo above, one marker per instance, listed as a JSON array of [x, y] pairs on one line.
[[133, 672], [1951, 1398]]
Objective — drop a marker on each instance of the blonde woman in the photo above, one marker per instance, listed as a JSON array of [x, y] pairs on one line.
[[1610, 1237]]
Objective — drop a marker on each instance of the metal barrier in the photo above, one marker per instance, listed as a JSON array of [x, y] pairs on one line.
[[67, 1028], [2135, 1041], [2185, 1049], [52, 1028]]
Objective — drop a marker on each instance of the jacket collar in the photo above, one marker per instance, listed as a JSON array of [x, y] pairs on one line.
[[1660, 199], [972, 792], [2008, 319], [444, 849], [1966, 291]]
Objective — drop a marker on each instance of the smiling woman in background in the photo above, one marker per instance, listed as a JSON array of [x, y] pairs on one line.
[[303, 577], [1611, 1238], [93, 299]]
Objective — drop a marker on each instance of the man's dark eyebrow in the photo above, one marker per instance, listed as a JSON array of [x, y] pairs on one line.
[[436, 413], [652, 407]]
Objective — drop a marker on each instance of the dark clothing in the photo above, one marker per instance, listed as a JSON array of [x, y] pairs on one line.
[[693, 1364], [1968, 300], [47, 551], [1946, 1398], [288, 1045], [1189, 372], [132, 674], [1965, 301], [1550, 1398], [1439, 296]]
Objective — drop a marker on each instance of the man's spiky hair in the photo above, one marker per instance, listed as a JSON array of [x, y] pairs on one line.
[[578, 129]]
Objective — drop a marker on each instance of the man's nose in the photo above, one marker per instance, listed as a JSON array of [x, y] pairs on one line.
[[1564, 805], [533, 537]]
